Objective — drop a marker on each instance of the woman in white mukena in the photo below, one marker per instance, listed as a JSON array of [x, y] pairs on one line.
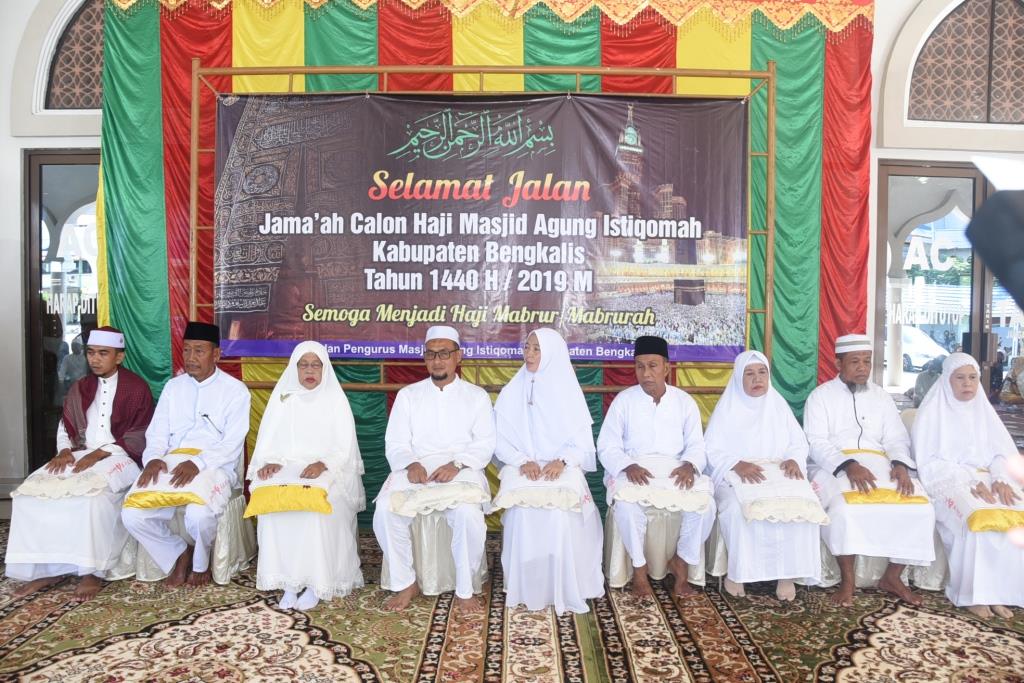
[[962, 451], [552, 544], [757, 454], [307, 447]]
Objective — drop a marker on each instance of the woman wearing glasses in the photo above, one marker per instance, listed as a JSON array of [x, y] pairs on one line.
[[307, 486], [551, 552]]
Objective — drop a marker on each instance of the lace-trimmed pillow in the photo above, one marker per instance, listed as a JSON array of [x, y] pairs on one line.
[[424, 499], [563, 493], [778, 498]]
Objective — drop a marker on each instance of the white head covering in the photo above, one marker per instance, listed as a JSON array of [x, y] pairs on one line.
[[538, 412], [114, 340], [853, 342], [301, 426], [967, 432], [442, 332], [744, 427]]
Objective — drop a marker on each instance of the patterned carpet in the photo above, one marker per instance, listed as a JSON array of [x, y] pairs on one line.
[[135, 631]]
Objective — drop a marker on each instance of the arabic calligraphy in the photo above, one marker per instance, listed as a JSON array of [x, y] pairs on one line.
[[448, 133]]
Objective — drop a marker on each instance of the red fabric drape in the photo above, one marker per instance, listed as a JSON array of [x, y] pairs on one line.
[[193, 31], [645, 41], [408, 37], [617, 376], [405, 374], [846, 171]]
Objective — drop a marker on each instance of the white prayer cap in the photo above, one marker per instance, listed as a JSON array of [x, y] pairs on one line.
[[853, 342], [442, 332], [106, 336]]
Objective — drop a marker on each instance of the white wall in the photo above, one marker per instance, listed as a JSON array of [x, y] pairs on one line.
[[15, 26], [890, 18]]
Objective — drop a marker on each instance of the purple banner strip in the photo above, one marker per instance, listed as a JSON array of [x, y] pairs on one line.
[[347, 348]]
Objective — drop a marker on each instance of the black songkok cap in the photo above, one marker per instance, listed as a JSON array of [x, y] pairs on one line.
[[202, 332], [650, 345]]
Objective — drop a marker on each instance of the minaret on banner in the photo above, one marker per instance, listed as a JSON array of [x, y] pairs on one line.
[[629, 154]]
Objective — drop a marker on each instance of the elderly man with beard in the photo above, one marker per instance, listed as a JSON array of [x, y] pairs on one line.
[[862, 465], [193, 447], [66, 515]]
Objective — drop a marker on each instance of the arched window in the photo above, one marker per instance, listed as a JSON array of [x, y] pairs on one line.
[[75, 80], [971, 68]]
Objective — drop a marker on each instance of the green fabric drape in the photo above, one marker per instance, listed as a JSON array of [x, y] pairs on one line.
[[371, 413], [594, 376], [131, 150], [549, 41], [341, 33], [799, 54]]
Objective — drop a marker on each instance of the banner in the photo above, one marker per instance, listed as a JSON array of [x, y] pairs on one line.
[[361, 220]]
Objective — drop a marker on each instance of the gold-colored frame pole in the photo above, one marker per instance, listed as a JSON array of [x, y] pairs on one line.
[[766, 78], [769, 271], [193, 195]]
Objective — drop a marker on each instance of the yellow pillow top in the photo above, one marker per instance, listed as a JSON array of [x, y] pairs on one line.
[[880, 495], [287, 498], [146, 500], [995, 519]]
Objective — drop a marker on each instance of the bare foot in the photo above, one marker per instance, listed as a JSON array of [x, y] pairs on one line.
[[641, 584], [843, 597], [785, 590], [400, 600], [980, 611], [88, 586], [734, 589], [1002, 611], [179, 573], [679, 570], [36, 585], [895, 586], [198, 579], [472, 605]]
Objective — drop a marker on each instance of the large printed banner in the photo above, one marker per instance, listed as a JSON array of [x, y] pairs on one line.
[[361, 220]]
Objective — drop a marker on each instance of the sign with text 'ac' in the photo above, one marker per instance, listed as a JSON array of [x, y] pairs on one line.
[[360, 221]]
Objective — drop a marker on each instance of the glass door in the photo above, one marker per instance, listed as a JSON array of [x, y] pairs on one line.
[[62, 286], [927, 274]]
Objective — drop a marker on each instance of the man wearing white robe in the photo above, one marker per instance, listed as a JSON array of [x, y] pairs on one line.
[[441, 430], [203, 414], [853, 427], [653, 418], [66, 516]]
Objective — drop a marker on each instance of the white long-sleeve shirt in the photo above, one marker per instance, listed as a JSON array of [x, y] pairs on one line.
[[636, 426], [97, 421], [836, 419], [426, 421], [212, 416]]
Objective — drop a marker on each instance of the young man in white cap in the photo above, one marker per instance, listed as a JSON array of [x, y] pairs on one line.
[[862, 473], [66, 516], [193, 445], [655, 419], [441, 431]]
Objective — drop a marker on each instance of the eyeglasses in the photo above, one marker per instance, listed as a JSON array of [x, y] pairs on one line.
[[443, 355], [316, 365]]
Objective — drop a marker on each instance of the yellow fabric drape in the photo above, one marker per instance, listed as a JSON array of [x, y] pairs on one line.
[[485, 36], [259, 372], [267, 37], [704, 376], [706, 42]]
